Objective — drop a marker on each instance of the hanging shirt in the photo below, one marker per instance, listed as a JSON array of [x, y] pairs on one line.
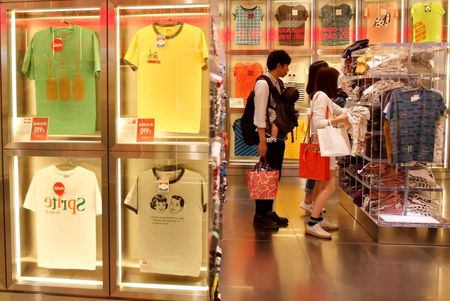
[[291, 24], [335, 28], [170, 221], [245, 77], [296, 78], [65, 204], [64, 63], [169, 62], [427, 21], [247, 25], [412, 116], [381, 22]]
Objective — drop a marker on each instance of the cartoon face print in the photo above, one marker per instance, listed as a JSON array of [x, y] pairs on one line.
[[290, 77], [176, 204], [159, 203]]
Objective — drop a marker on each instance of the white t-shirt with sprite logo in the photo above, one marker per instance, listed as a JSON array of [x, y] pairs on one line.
[[66, 204]]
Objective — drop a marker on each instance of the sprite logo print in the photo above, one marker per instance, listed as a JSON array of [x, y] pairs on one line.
[[56, 205]]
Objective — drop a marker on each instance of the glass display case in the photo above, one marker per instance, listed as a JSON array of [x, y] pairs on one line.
[[57, 221], [335, 23], [161, 77], [291, 25], [159, 142], [248, 23], [161, 225], [54, 73], [382, 22]]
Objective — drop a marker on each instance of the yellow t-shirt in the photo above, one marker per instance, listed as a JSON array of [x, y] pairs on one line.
[[427, 21], [292, 149], [169, 61]]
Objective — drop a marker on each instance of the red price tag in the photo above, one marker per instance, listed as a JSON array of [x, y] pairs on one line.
[[39, 128], [145, 130]]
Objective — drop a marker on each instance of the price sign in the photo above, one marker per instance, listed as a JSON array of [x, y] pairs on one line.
[[145, 130], [39, 128]]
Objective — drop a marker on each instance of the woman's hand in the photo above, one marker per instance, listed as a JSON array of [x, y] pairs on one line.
[[343, 118]]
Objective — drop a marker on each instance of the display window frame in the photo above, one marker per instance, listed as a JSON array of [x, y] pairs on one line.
[[63, 281], [149, 285], [265, 28], [92, 12], [382, 10], [408, 21], [353, 24], [307, 31], [120, 137]]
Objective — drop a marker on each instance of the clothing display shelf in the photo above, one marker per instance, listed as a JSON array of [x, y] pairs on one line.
[[396, 189]]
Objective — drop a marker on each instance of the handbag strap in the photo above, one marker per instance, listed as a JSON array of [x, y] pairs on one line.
[[327, 112]]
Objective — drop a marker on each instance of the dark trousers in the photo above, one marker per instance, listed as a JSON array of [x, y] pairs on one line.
[[274, 156]]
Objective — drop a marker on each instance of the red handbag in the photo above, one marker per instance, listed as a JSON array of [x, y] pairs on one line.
[[262, 182], [311, 164]]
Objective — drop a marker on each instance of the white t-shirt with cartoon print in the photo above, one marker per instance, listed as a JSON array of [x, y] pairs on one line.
[[66, 204], [170, 220]]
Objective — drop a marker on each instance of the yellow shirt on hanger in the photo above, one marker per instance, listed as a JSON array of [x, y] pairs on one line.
[[169, 61], [427, 21]]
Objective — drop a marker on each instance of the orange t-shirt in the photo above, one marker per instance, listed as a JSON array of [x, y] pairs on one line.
[[245, 77], [381, 19]]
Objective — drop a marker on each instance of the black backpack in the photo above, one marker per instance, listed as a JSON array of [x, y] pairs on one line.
[[248, 127], [286, 117]]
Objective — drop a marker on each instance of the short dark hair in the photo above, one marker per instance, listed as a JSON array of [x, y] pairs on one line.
[[277, 57], [327, 80], [310, 87], [158, 199], [290, 95], [179, 198]]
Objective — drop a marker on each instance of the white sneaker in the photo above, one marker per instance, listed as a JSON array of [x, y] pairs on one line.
[[327, 225], [307, 207], [317, 231]]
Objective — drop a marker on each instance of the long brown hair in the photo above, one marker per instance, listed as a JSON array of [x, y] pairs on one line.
[[310, 86], [326, 81]]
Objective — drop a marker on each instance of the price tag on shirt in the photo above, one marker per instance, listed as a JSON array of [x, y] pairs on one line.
[[415, 98], [39, 128], [338, 12], [295, 12], [163, 185], [160, 41], [145, 130], [236, 102]]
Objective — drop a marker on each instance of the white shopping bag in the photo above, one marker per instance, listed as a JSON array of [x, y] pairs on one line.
[[333, 142]]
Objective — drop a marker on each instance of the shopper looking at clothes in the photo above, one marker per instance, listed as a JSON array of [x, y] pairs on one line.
[[278, 66], [323, 110], [307, 203]]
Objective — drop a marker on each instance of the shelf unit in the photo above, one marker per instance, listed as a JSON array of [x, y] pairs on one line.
[[364, 179]]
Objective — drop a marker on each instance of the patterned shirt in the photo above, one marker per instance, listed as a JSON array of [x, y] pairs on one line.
[[412, 115], [296, 78], [335, 24], [291, 28], [247, 28]]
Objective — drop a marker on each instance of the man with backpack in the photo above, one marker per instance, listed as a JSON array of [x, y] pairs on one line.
[[265, 98]]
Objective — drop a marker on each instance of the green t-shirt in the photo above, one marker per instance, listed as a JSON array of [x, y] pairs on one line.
[[64, 62]]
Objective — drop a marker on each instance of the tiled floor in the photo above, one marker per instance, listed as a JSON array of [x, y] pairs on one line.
[[288, 266]]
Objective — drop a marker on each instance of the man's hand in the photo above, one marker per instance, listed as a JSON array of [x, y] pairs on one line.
[[262, 148]]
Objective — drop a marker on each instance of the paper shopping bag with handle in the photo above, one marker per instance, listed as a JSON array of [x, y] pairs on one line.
[[262, 182]]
